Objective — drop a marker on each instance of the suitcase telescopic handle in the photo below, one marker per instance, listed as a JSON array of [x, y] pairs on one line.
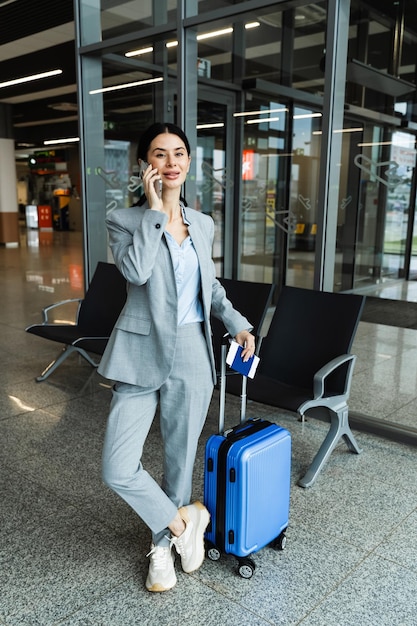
[[243, 398]]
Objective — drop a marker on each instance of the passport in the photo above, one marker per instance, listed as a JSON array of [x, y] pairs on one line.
[[236, 363]]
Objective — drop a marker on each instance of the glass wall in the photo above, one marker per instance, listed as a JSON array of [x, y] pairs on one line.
[[249, 87], [264, 163], [214, 179], [305, 175], [106, 21], [376, 211], [305, 170]]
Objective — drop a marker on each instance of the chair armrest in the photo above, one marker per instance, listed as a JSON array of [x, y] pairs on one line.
[[48, 308], [321, 375]]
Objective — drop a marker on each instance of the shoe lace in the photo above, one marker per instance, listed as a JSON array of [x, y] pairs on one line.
[[178, 542], [159, 556]]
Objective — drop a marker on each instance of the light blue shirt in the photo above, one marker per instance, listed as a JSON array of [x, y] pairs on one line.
[[187, 278]]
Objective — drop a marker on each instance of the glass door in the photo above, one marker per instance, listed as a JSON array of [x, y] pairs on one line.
[[215, 171], [382, 169], [375, 206], [264, 212], [399, 208], [280, 175], [413, 243], [304, 184]]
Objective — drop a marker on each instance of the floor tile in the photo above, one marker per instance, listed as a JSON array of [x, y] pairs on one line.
[[401, 545], [286, 584], [23, 502], [190, 602], [377, 593], [55, 567]]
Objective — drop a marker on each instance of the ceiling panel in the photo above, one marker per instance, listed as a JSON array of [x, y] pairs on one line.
[[37, 36], [25, 17]]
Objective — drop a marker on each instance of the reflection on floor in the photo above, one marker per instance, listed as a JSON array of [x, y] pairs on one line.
[[394, 290], [73, 554]]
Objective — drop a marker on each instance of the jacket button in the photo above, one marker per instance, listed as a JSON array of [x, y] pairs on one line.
[[157, 225]]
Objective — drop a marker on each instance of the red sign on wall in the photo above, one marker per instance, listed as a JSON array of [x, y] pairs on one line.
[[248, 165]]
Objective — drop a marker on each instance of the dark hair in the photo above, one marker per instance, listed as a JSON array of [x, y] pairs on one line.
[[159, 128]]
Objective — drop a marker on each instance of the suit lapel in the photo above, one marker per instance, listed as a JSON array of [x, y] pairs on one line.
[[201, 247]]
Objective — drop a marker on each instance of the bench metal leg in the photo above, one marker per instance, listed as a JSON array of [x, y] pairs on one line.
[[339, 427], [65, 352]]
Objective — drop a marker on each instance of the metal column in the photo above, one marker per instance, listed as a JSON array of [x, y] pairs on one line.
[[331, 148]]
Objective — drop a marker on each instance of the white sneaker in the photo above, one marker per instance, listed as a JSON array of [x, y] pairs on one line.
[[190, 545], [161, 575]]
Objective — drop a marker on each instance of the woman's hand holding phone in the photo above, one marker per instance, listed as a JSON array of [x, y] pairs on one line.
[[152, 185]]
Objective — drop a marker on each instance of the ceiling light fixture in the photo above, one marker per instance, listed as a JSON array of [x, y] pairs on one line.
[[374, 143], [136, 53], [215, 33], [341, 130], [305, 116], [28, 79], [213, 125], [173, 44], [350, 130], [126, 85], [243, 113], [49, 142], [261, 120]]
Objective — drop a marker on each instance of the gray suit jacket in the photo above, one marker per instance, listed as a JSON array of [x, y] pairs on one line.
[[141, 348]]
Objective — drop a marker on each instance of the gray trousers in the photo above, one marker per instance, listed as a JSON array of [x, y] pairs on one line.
[[183, 402]]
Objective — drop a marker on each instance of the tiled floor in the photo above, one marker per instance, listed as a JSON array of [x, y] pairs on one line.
[[71, 553]]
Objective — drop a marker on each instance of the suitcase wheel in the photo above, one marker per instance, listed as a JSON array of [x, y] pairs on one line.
[[281, 541], [246, 567], [213, 553]]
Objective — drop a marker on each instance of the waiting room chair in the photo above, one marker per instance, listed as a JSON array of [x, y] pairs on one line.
[[306, 365], [251, 300], [96, 315]]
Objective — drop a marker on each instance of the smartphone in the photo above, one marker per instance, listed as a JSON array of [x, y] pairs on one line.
[[143, 166]]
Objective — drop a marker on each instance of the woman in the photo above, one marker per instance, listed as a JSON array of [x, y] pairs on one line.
[[160, 352]]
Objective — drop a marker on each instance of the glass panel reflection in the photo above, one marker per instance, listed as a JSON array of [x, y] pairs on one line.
[[212, 177], [384, 164], [264, 213], [305, 170], [122, 18]]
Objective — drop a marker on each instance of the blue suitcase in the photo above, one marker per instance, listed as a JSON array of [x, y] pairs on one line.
[[246, 486]]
